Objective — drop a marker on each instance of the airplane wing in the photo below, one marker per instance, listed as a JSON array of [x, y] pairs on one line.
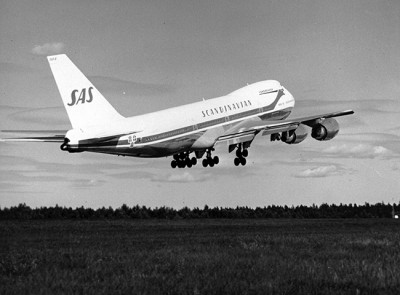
[[246, 131], [34, 135]]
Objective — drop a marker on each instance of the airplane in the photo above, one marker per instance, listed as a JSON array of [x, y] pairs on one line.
[[188, 132]]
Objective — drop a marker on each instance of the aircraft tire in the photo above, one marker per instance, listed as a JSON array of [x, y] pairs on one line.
[[243, 161], [205, 162], [238, 153], [236, 161], [245, 153], [194, 161], [211, 163], [216, 160], [174, 164]]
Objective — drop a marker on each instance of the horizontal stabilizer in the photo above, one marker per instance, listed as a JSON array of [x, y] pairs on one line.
[[34, 135]]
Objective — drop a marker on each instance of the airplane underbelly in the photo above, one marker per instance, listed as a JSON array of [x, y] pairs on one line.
[[160, 149]]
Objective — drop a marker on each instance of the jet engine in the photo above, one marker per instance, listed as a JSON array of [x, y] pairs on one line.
[[325, 130], [295, 136]]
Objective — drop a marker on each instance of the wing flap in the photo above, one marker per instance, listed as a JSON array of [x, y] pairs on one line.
[[239, 137], [279, 128]]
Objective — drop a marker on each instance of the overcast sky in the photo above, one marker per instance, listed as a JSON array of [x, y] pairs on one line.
[[150, 55]]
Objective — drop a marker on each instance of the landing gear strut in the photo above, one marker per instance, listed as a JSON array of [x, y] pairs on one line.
[[209, 160], [241, 154], [183, 160]]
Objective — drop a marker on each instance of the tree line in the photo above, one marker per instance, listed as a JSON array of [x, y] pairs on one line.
[[378, 210]]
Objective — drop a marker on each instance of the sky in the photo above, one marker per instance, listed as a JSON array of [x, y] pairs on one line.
[[150, 55]]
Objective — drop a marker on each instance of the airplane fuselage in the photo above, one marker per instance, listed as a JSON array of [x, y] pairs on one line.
[[194, 127]]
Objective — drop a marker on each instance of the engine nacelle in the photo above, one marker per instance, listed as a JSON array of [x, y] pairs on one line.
[[295, 136], [325, 130]]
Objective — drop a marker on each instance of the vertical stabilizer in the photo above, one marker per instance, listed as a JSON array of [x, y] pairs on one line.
[[85, 105]]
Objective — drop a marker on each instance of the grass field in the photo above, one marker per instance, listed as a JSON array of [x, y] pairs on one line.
[[283, 256]]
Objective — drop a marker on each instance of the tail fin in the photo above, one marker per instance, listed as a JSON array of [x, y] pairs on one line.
[[85, 105]]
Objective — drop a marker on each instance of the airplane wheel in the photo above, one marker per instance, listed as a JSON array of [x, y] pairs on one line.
[[216, 160], [211, 163], [176, 157], [174, 164], [238, 153], [181, 165], [194, 161], [205, 162], [236, 161], [189, 165], [243, 161], [245, 153]]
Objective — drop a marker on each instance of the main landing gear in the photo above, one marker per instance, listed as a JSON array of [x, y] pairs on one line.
[[183, 160], [209, 160], [241, 154]]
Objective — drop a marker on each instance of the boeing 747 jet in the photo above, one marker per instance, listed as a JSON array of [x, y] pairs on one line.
[[187, 133]]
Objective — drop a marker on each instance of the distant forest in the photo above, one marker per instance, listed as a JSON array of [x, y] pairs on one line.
[[379, 210]]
